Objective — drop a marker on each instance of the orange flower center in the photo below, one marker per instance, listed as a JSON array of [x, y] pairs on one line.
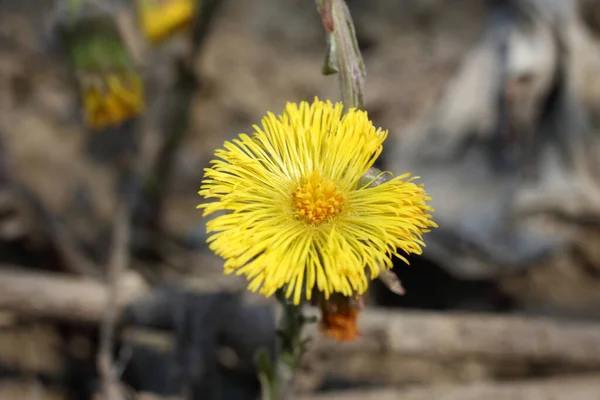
[[317, 199]]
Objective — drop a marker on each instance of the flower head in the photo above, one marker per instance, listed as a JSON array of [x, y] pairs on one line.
[[297, 217]]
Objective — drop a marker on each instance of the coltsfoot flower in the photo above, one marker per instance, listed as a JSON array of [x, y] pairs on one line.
[[296, 217]]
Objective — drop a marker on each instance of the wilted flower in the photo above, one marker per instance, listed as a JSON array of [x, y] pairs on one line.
[[110, 85], [111, 99], [296, 216]]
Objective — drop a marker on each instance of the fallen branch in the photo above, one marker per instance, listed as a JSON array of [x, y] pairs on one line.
[[61, 296], [399, 347], [28, 389], [117, 267], [446, 336], [580, 388], [383, 333]]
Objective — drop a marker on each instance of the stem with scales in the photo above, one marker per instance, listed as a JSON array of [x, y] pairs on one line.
[[277, 378]]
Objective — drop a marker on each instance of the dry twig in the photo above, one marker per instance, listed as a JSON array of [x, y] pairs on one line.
[[61, 296], [576, 388]]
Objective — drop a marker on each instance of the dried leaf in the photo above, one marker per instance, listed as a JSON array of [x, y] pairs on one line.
[[391, 281]]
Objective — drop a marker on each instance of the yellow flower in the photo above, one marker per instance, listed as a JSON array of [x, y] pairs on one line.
[[112, 100], [296, 216], [162, 18]]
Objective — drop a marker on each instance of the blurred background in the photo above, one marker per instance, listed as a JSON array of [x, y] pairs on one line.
[[104, 270]]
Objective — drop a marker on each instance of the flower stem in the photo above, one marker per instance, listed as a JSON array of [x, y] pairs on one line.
[[343, 54], [278, 380]]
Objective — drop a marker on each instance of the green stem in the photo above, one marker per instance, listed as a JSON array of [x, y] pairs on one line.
[[343, 54], [177, 123], [73, 7], [278, 379]]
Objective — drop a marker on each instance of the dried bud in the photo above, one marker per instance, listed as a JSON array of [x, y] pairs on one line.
[[339, 315]]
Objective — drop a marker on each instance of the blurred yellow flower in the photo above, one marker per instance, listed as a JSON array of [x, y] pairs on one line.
[[111, 100], [296, 216], [160, 19]]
